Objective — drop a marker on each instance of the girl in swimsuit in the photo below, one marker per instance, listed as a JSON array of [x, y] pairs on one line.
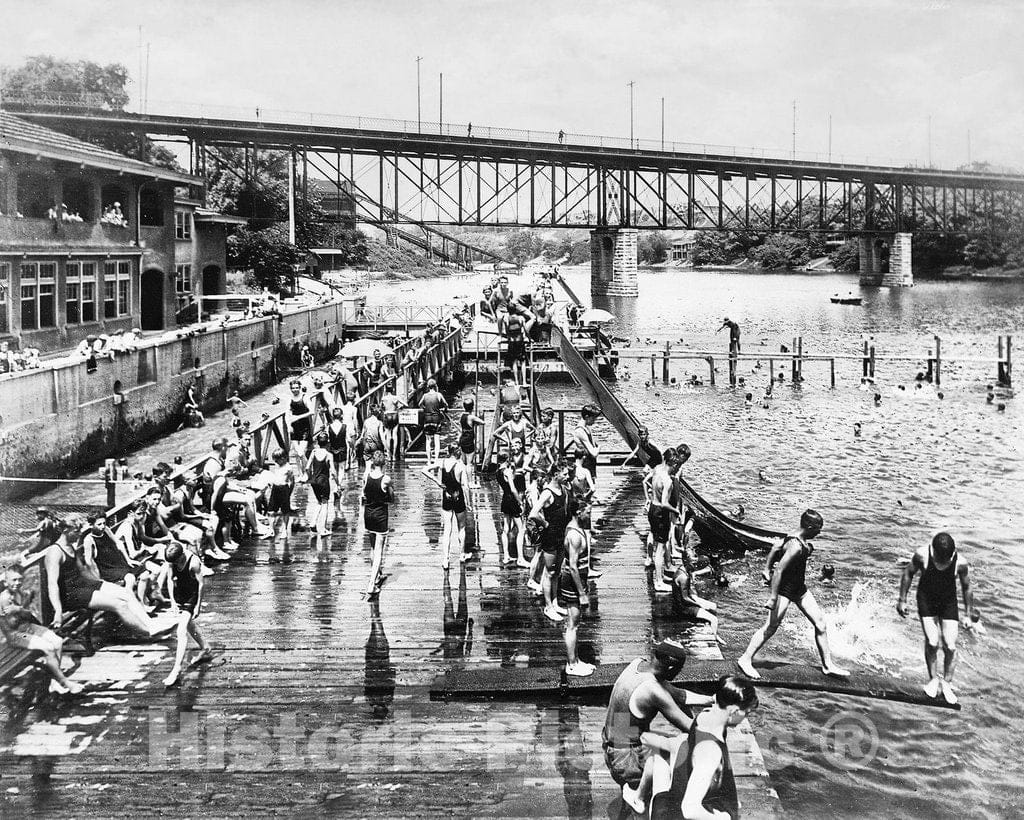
[[468, 423], [318, 470], [72, 585], [511, 513], [337, 443], [377, 494], [391, 404], [300, 418], [279, 501], [583, 440], [552, 514], [454, 484]]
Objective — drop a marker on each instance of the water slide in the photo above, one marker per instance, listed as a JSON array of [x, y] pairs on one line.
[[714, 528]]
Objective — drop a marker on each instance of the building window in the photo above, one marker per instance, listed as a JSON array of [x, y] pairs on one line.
[[5, 284], [124, 286], [73, 293], [182, 279], [48, 294], [29, 286], [34, 198], [110, 290], [182, 225], [78, 194], [88, 270]]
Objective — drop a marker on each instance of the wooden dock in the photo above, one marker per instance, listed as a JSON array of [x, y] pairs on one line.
[[319, 701]]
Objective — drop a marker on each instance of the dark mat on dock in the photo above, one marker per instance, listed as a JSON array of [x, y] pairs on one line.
[[701, 676]]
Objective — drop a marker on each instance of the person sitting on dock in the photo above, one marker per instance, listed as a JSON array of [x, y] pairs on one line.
[[651, 455], [941, 568], [641, 693], [788, 586], [22, 630], [71, 584], [704, 760], [486, 306], [573, 586]]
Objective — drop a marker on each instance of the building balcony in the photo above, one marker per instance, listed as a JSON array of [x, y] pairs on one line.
[[47, 233]]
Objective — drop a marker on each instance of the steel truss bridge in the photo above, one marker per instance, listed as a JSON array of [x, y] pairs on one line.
[[488, 179]]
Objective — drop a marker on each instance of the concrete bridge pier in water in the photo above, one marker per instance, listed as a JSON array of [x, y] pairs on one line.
[[613, 268], [872, 251]]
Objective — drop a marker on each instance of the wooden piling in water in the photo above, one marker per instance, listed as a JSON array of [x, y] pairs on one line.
[[711, 367], [938, 361], [832, 372], [653, 357], [865, 361], [664, 363], [871, 361], [1004, 366]]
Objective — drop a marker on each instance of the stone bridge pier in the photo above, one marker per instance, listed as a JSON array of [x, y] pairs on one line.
[[613, 262], [898, 272]]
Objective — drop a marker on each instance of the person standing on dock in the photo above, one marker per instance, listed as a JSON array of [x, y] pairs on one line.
[[788, 586], [468, 422], [377, 494], [551, 513], [300, 419], [641, 693], [583, 441], [391, 404], [454, 484], [660, 515], [574, 584], [941, 568], [186, 583], [435, 410]]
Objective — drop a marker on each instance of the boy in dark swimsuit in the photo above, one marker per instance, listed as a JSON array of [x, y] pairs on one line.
[[789, 586], [186, 582], [940, 567]]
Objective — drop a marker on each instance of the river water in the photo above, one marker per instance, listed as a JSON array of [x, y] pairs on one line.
[[922, 463]]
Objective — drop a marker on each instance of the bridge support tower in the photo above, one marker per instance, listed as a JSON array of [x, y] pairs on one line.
[[899, 272], [613, 262]]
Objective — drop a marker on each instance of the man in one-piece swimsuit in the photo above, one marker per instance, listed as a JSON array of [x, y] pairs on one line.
[[940, 567]]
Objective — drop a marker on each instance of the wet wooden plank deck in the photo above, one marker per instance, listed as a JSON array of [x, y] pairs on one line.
[[319, 703]]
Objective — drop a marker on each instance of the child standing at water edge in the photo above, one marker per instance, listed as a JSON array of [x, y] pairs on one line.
[[940, 568]]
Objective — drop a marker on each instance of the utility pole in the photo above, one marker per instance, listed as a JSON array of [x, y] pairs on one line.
[[419, 113], [929, 140], [291, 196], [140, 69], [829, 137], [631, 84], [794, 129], [662, 123], [440, 104], [968, 147]]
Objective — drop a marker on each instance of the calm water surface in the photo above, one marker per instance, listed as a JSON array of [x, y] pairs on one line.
[[920, 465]]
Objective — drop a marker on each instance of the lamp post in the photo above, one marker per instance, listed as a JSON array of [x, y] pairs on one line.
[[419, 116], [631, 84]]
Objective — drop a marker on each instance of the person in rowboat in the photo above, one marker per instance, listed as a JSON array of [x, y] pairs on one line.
[[940, 567], [788, 586]]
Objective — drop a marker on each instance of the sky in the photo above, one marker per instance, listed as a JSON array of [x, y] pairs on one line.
[[729, 70]]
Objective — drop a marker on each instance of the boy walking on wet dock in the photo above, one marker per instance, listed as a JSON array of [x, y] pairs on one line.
[[788, 586], [940, 567]]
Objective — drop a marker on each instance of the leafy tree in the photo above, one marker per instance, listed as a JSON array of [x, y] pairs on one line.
[[710, 248], [653, 247], [781, 252], [267, 253], [523, 245], [846, 257], [91, 84]]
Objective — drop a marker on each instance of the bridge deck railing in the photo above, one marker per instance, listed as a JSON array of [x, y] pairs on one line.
[[278, 117]]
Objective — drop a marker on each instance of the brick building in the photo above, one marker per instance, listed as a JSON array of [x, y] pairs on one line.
[[91, 240]]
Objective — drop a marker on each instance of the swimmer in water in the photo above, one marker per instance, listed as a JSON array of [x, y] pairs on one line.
[[788, 586], [828, 573], [748, 400], [878, 399], [856, 429], [940, 567]]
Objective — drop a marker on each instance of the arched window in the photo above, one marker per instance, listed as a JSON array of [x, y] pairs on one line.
[[34, 198], [77, 196], [151, 206]]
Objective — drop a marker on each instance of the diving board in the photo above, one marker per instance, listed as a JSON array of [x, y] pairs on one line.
[[701, 676]]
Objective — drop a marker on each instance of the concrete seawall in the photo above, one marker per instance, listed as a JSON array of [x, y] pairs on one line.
[[60, 419]]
